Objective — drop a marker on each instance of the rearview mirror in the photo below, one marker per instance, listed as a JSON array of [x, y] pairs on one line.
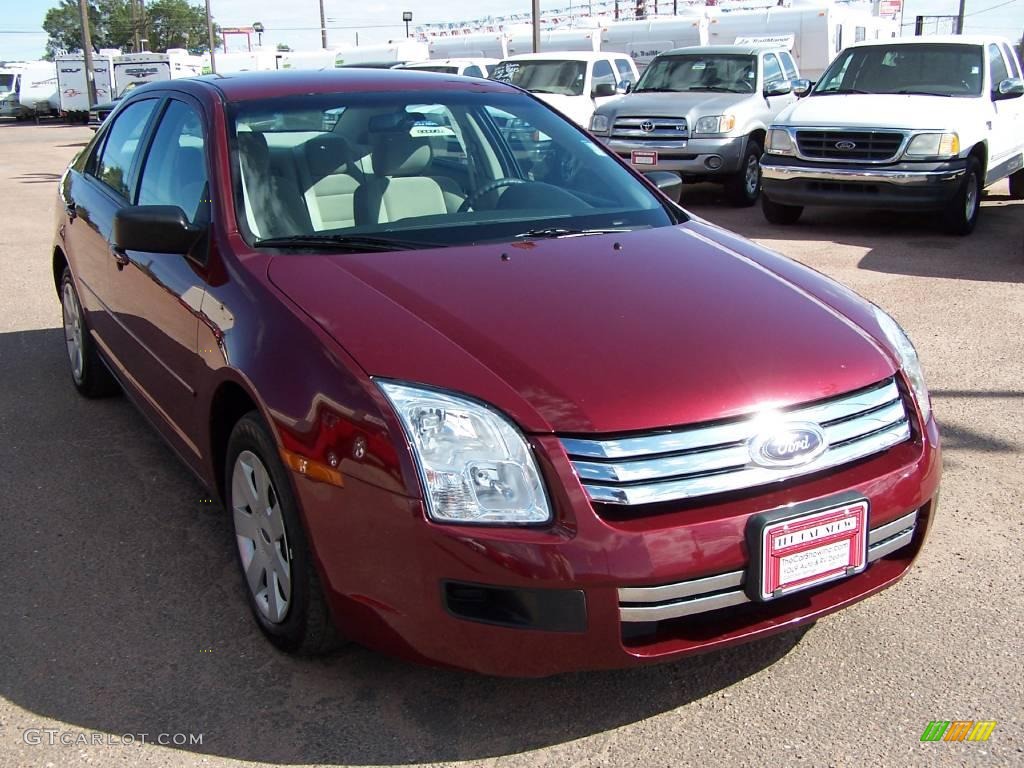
[[154, 229], [603, 89], [778, 88], [625, 86], [671, 184], [1010, 88], [801, 87]]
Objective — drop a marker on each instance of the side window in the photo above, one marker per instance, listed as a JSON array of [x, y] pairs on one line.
[[772, 70], [115, 159], [175, 171], [788, 65], [859, 33], [603, 72], [625, 71], [996, 65], [438, 125], [839, 37], [472, 71], [1014, 71]]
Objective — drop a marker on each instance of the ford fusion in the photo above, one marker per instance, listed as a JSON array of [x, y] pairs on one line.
[[472, 391]]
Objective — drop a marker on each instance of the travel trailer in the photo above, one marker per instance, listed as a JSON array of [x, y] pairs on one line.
[[399, 52], [478, 45], [318, 58], [139, 68], [73, 87], [643, 40], [246, 61], [576, 39], [28, 88]]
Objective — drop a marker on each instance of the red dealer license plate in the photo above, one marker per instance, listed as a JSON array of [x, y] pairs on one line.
[[644, 157], [801, 550]]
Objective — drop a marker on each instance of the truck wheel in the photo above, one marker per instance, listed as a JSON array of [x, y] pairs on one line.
[[743, 187], [1017, 185], [962, 211], [777, 213]]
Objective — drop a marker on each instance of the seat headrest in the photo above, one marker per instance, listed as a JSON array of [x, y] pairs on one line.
[[328, 154], [252, 147], [399, 154]]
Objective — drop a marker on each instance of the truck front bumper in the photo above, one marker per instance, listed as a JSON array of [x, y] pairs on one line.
[[903, 186], [691, 157]]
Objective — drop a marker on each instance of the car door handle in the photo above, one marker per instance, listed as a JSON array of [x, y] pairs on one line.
[[120, 257]]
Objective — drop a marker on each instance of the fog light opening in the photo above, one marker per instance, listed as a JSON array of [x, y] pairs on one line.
[[713, 162]]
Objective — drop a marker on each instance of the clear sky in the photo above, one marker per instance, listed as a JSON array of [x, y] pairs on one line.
[[297, 22]]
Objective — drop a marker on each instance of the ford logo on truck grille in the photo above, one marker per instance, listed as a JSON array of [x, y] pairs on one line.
[[788, 445], [845, 145]]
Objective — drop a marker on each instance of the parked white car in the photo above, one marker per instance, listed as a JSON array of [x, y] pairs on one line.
[[465, 67], [907, 124], [573, 82]]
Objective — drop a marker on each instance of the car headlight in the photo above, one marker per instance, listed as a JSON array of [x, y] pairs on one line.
[[599, 124], [909, 361], [938, 146], [475, 465], [779, 142], [714, 124]]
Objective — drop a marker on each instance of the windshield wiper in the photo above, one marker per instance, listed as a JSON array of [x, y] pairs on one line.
[[354, 243], [839, 91], [556, 232], [715, 88], [912, 92], [655, 90]]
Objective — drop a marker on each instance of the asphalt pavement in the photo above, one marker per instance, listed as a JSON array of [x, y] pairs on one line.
[[125, 638]]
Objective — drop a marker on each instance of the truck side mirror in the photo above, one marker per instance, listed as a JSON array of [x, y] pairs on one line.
[[603, 89], [778, 88], [625, 86], [1010, 88], [801, 87]]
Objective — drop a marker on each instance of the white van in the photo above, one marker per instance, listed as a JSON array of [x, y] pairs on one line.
[[573, 82]]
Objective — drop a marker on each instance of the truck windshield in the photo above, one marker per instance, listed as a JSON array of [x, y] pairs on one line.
[[730, 73], [936, 69], [565, 78], [431, 167]]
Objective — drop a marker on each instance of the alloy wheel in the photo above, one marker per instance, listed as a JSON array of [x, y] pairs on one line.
[[73, 330]]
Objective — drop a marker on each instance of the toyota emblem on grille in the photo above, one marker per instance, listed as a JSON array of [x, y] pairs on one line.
[[845, 145], [646, 126], [788, 445]]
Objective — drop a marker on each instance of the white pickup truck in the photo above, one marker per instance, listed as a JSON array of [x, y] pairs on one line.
[[921, 123]]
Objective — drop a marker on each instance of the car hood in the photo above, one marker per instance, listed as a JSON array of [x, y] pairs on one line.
[[673, 104], [677, 325], [875, 110], [576, 108]]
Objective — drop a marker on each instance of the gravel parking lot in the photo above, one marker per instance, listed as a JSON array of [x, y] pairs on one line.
[[124, 614]]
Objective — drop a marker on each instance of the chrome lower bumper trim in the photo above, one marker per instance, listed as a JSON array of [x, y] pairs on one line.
[[903, 178]]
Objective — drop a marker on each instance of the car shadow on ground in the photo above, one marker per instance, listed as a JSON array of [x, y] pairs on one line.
[[125, 615], [38, 178], [886, 235]]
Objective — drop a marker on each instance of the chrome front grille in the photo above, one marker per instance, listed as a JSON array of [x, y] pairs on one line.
[[699, 461], [659, 129], [851, 146], [685, 598]]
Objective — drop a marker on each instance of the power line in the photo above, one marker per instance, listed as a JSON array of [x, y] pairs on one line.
[[991, 8]]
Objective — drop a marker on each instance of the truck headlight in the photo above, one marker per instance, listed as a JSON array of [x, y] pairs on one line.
[[779, 142], [938, 146], [599, 124], [474, 465], [909, 361], [714, 124]]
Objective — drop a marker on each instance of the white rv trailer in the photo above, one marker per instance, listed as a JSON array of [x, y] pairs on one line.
[[246, 61], [73, 87], [396, 51], [28, 88], [817, 32], [477, 45], [317, 58], [643, 40], [142, 68], [576, 39]]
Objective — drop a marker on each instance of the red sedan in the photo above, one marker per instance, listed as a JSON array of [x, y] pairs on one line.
[[474, 391]]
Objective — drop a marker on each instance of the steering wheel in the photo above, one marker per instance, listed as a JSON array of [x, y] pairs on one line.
[[505, 181]]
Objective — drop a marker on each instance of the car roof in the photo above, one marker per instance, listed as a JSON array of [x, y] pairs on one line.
[[245, 86], [933, 39], [740, 50], [566, 56]]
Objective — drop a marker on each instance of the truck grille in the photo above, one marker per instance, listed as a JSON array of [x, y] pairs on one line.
[[865, 146], [699, 461], [650, 129]]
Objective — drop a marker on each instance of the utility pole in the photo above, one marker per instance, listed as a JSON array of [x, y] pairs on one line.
[[90, 77], [960, 17], [209, 33], [323, 25], [135, 27], [142, 25], [536, 25]]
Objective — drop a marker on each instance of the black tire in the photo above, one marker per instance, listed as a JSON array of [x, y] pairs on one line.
[[741, 190], [92, 378], [961, 215], [1017, 185], [306, 628], [777, 213]]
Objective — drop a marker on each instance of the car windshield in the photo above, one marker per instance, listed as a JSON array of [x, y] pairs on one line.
[[732, 73], [435, 168], [565, 78], [938, 69]]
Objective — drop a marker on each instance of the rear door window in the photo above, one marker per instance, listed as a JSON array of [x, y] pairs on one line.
[[788, 65], [996, 65]]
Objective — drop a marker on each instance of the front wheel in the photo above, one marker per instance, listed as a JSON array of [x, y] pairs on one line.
[[744, 186], [962, 212], [777, 213], [282, 585], [88, 373]]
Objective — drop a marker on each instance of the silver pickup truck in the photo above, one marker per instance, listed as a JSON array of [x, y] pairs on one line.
[[703, 113]]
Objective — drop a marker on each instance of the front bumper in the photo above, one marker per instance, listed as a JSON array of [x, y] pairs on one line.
[[388, 572], [902, 186], [687, 158]]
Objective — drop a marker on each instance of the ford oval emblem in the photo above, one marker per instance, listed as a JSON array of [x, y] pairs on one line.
[[845, 145], [788, 445]]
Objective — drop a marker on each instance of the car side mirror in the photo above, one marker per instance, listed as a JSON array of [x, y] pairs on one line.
[[603, 89], [670, 184], [625, 86], [154, 229], [800, 87], [1010, 88], [778, 88]]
